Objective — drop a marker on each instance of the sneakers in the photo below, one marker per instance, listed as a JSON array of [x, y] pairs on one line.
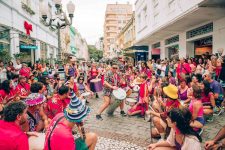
[[99, 117], [209, 118], [219, 111], [122, 113], [96, 96]]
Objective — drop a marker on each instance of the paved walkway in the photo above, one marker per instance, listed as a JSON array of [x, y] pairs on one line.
[[120, 133]]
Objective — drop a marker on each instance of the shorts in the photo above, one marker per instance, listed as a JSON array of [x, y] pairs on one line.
[[80, 144], [201, 120], [218, 102]]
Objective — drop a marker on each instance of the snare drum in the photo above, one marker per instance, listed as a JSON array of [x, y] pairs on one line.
[[96, 85], [85, 94], [130, 101], [118, 96], [136, 88], [37, 143]]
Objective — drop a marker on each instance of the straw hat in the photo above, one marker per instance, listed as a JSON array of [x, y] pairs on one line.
[[76, 111], [171, 91]]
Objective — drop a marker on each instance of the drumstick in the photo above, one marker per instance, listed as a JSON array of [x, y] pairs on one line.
[[151, 108]]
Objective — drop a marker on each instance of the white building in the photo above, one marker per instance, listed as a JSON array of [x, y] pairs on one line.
[[19, 16], [180, 27], [99, 44], [81, 47]]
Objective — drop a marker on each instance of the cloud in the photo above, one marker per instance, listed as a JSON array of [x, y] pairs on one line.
[[89, 17]]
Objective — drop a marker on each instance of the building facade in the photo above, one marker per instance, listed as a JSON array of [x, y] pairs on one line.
[[126, 37], [81, 47], [99, 44], [23, 31], [179, 28], [116, 17]]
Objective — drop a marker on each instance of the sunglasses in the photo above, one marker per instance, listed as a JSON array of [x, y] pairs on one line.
[[81, 79], [114, 67]]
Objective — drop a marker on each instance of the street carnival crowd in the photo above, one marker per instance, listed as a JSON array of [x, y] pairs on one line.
[[178, 96]]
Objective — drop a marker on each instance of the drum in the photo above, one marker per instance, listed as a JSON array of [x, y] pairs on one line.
[[85, 94], [136, 88], [130, 101], [96, 85], [37, 143], [129, 92], [118, 96]]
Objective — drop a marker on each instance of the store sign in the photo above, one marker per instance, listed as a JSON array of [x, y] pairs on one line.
[[28, 47]]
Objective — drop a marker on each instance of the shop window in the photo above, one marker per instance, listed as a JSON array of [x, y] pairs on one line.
[[172, 40], [4, 40], [200, 31], [156, 45]]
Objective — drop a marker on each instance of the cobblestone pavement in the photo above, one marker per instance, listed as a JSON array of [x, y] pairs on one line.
[[119, 133]]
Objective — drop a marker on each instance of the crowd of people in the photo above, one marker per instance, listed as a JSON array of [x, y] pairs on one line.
[[179, 95]]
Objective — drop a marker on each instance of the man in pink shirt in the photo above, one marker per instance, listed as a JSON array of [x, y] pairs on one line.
[[183, 68], [12, 137]]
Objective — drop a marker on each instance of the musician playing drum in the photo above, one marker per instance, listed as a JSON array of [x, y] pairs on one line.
[[111, 83]]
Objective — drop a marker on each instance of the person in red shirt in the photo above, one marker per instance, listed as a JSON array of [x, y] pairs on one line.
[[23, 88], [58, 102], [171, 94], [7, 93], [59, 133], [183, 69], [25, 71], [143, 101], [12, 137]]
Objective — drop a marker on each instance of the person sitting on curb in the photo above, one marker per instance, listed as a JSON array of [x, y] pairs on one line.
[[12, 137], [60, 129], [171, 94], [182, 136]]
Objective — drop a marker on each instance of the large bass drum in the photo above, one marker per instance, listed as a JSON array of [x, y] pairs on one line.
[[96, 85], [118, 96]]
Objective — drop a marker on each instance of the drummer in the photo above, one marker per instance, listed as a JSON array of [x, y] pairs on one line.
[[143, 99], [111, 83], [93, 74]]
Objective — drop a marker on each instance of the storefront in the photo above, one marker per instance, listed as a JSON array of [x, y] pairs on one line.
[[138, 53], [172, 47], [27, 47], [203, 46], [4, 39], [155, 52]]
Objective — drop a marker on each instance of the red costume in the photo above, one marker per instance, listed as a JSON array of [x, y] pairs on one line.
[[55, 106]]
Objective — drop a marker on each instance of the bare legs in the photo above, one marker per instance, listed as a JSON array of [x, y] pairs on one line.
[[91, 140], [105, 104]]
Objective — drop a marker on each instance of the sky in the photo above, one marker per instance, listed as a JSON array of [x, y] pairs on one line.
[[89, 17]]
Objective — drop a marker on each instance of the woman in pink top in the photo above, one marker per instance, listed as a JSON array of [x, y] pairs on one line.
[[196, 109], [208, 100]]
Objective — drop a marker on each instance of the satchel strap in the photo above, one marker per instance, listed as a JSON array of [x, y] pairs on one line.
[[49, 137]]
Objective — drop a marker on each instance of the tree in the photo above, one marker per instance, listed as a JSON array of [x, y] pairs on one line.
[[5, 56], [94, 53]]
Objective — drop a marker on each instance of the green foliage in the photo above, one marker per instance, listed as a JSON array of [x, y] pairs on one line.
[[20, 55], [94, 53], [5, 56]]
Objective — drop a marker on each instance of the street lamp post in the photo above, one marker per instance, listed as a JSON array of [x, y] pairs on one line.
[[57, 22]]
